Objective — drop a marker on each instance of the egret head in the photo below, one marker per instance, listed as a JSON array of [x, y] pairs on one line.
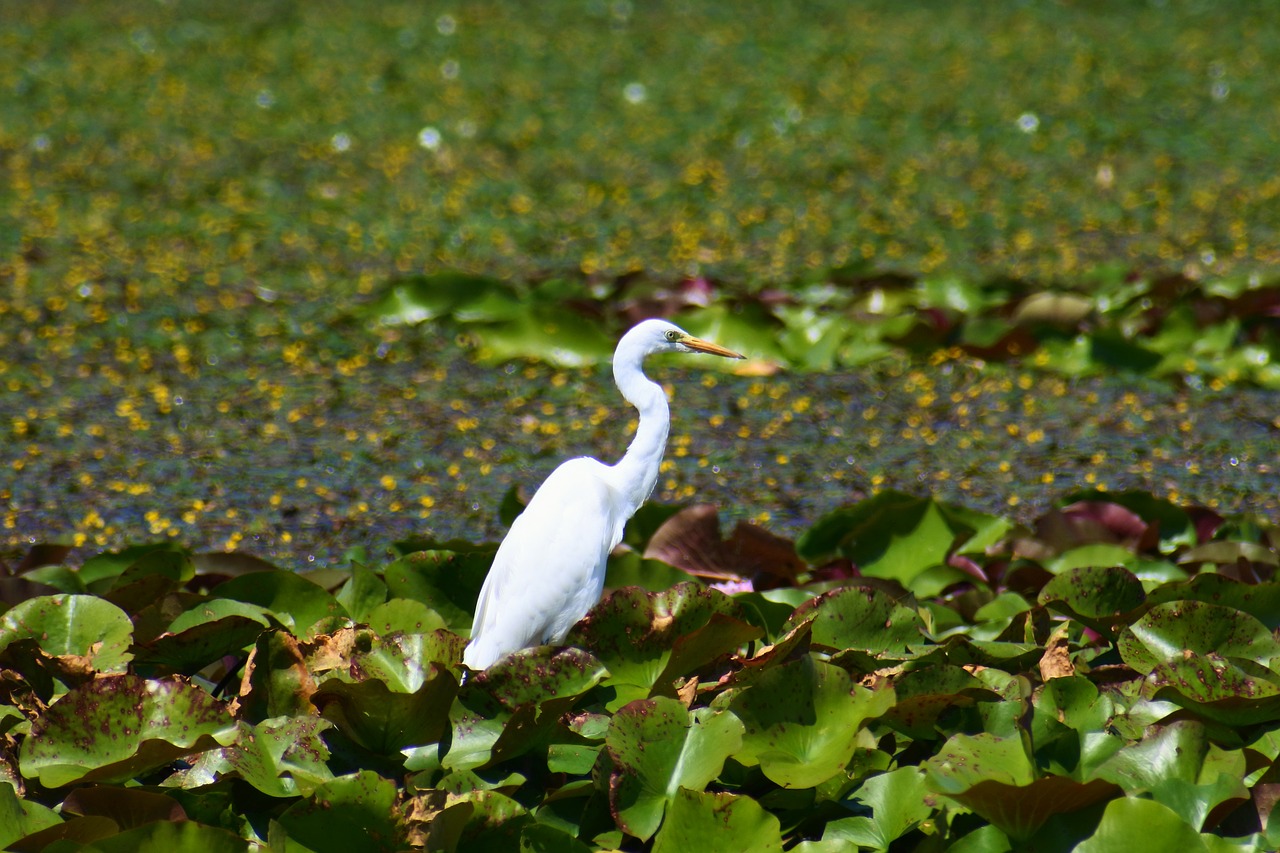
[[660, 336]]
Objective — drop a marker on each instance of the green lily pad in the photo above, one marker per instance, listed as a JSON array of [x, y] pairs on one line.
[[811, 339], [632, 569], [173, 565], [720, 637], [1133, 824], [548, 332], [386, 721], [1261, 601], [479, 821], [1230, 553], [474, 733], [81, 627], [890, 535], [280, 683], [923, 694], [1110, 350], [409, 301], [1178, 630], [362, 592], [164, 835], [659, 747], [398, 661], [150, 722], [576, 759], [281, 757], [1076, 702], [1174, 751], [541, 838], [1097, 595], [77, 831], [1093, 555], [213, 610], [294, 600], [446, 581], [995, 778], [542, 674], [403, 615], [635, 633], [1226, 690], [801, 721], [1202, 805], [899, 801], [749, 329], [984, 839], [205, 633], [99, 572], [22, 817], [861, 618], [356, 812], [533, 727], [717, 821]]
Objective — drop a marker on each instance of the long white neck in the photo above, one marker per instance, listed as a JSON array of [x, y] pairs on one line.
[[637, 470]]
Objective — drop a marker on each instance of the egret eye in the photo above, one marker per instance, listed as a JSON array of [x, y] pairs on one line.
[[673, 335]]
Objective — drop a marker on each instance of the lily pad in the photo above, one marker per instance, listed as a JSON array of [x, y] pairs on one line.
[[1097, 595], [635, 633], [355, 812], [403, 615], [862, 618], [890, 535], [1175, 766], [1178, 630], [278, 679], [294, 600], [83, 630], [215, 628], [386, 721], [446, 581], [182, 836], [801, 721], [658, 747], [995, 778], [1261, 601], [1228, 691], [418, 299], [281, 757], [923, 694], [699, 820], [150, 722], [542, 674], [362, 592], [899, 801], [1134, 824], [548, 332], [20, 817]]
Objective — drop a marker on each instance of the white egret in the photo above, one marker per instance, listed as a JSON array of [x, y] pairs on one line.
[[549, 570]]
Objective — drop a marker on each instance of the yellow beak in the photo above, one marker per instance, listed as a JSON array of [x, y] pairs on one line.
[[699, 345]]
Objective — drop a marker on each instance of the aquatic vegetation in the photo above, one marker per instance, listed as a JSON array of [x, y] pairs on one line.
[[908, 670]]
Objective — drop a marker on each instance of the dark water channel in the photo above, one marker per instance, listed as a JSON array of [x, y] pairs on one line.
[[300, 467]]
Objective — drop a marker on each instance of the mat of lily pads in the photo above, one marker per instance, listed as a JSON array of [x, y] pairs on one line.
[[909, 672]]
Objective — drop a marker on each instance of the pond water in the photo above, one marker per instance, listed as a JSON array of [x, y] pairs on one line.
[[300, 466]]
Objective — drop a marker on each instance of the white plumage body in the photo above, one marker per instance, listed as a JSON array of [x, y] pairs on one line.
[[516, 611], [549, 570]]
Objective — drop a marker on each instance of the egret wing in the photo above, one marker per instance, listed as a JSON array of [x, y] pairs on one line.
[[549, 570]]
